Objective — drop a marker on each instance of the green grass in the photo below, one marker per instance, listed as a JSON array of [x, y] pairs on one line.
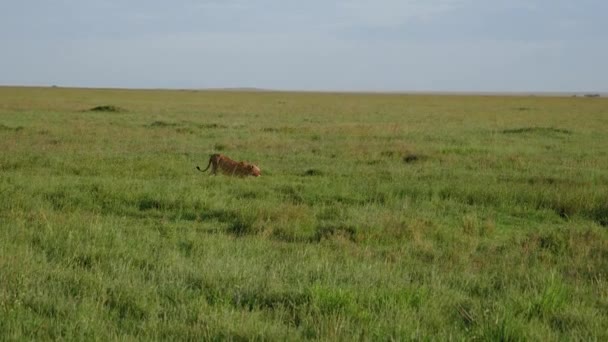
[[377, 217]]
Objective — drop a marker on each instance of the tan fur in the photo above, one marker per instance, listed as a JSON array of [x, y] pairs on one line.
[[230, 167]]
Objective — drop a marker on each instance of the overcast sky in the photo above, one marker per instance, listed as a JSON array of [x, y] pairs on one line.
[[392, 45]]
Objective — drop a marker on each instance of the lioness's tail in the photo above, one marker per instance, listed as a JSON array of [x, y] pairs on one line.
[[207, 168]]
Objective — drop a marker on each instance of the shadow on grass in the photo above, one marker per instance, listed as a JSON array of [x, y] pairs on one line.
[[241, 226], [10, 129], [564, 204], [161, 124], [124, 305], [255, 300], [147, 203], [599, 214], [291, 194], [238, 224], [414, 157], [312, 172], [184, 126]]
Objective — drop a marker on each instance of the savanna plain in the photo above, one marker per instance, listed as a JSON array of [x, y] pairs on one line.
[[377, 216]]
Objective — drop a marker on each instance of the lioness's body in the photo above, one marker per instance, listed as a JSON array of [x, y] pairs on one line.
[[230, 167]]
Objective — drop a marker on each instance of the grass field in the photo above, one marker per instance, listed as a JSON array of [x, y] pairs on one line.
[[377, 217]]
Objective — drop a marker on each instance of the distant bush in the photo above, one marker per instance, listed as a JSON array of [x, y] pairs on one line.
[[536, 130], [107, 108]]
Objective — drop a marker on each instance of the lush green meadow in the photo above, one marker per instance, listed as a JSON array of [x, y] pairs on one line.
[[377, 216]]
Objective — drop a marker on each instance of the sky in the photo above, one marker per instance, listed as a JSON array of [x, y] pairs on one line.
[[327, 45]]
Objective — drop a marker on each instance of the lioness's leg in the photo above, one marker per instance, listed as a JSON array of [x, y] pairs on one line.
[[234, 169]]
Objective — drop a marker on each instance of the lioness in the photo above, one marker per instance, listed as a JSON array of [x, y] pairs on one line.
[[230, 167]]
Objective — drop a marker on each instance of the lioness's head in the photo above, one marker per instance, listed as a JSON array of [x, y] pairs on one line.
[[254, 170]]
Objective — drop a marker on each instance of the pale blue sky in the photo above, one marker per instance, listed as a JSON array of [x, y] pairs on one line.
[[378, 45]]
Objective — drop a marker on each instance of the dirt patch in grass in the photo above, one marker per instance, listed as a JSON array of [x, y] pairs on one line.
[[326, 231]]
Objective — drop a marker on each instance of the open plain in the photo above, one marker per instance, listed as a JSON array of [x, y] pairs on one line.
[[377, 216]]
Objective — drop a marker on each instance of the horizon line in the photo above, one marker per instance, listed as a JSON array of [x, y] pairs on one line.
[[329, 91]]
